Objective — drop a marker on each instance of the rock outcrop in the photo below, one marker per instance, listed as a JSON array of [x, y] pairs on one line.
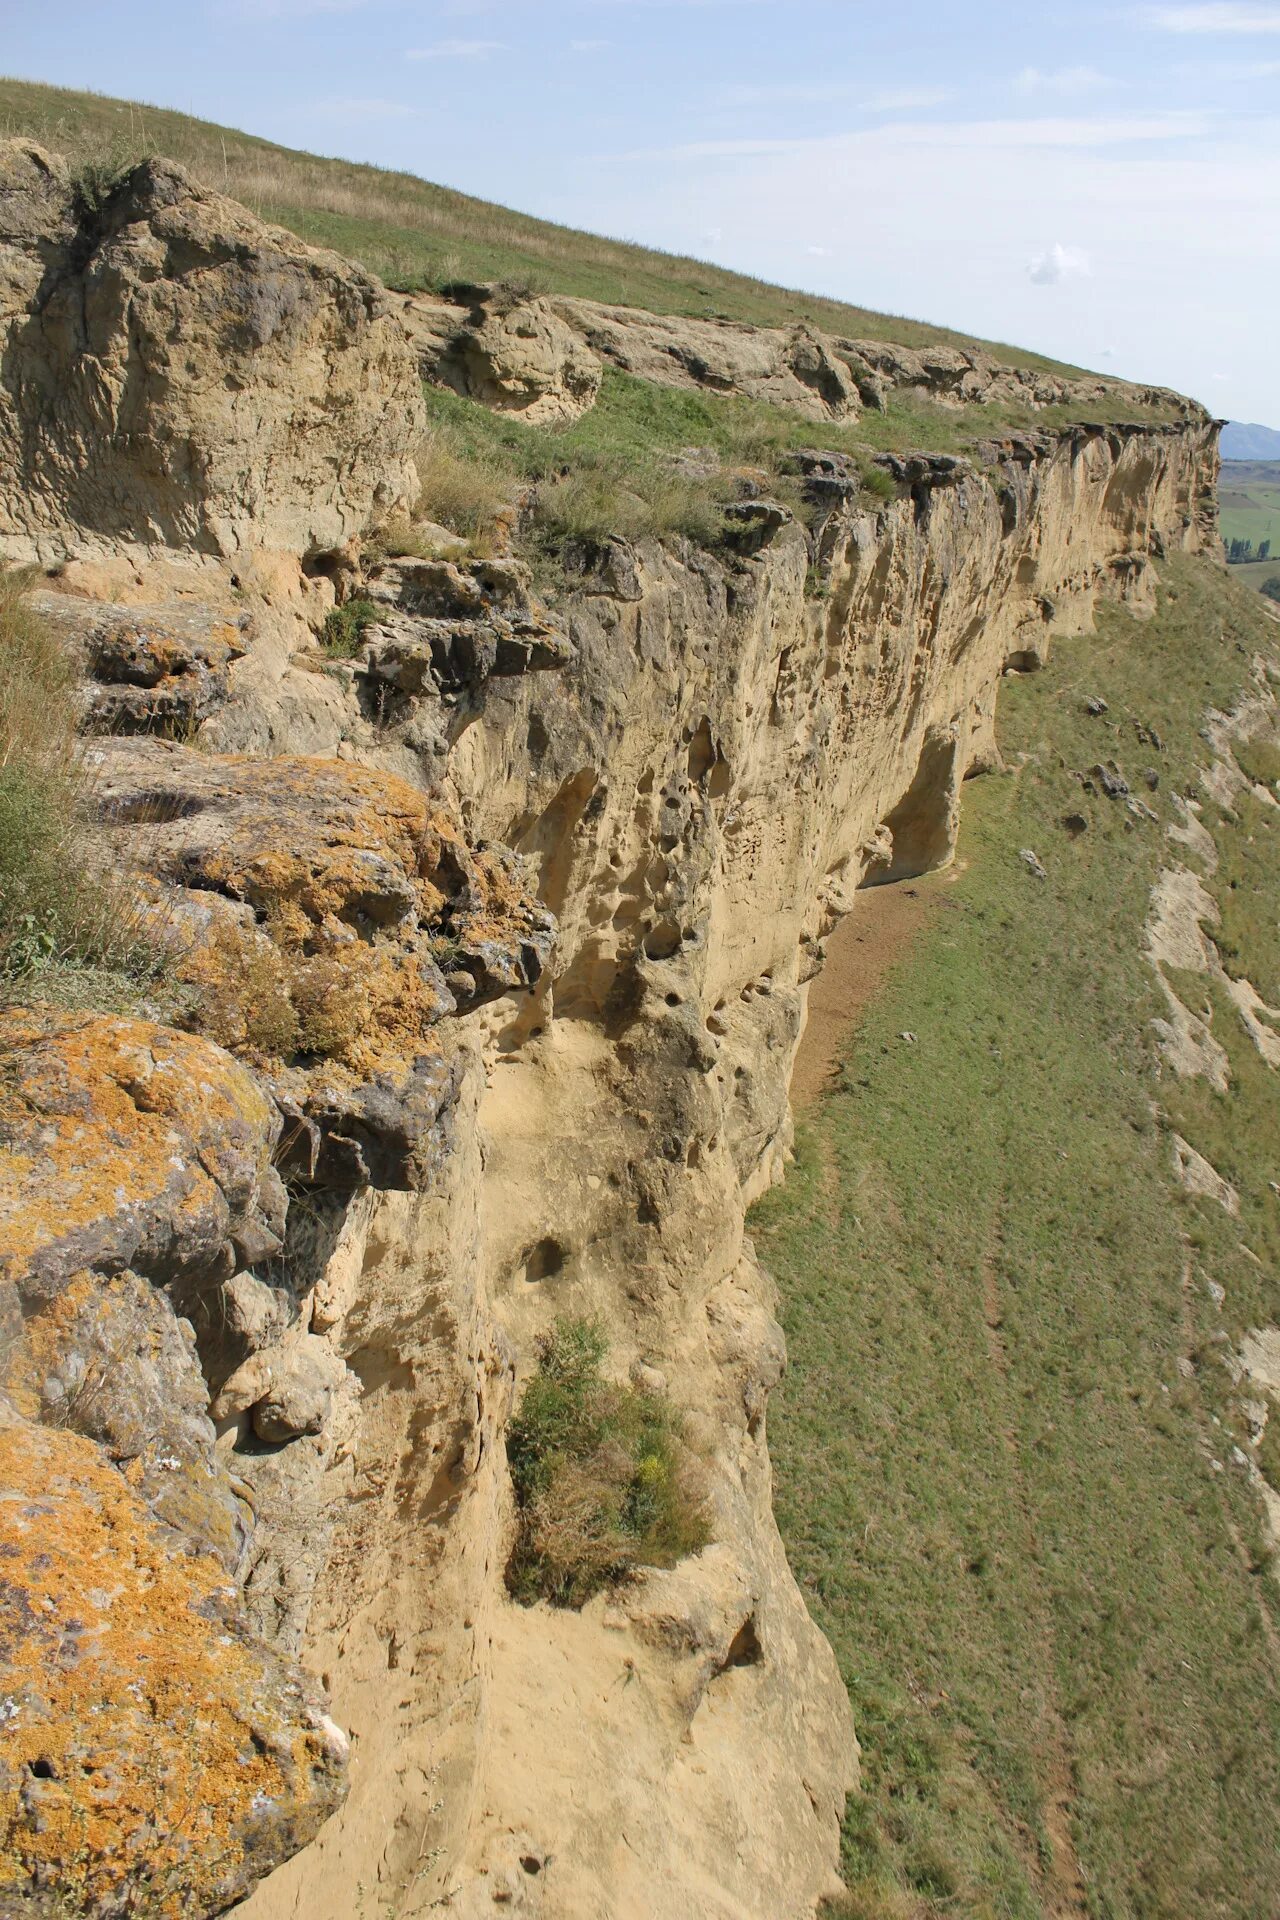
[[269, 1284], [174, 372], [544, 357]]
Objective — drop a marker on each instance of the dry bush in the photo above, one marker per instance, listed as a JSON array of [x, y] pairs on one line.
[[603, 1479], [462, 488]]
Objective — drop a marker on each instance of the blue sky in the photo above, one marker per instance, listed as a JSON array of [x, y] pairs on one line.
[[1100, 182]]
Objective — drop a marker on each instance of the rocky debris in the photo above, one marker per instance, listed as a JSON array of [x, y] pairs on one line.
[[175, 372], [512, 354], [450, 627], [753, 525], [1033, 864], [1095, 707], [827, 479], [1111, 780], [156, 1756], [160, 670]]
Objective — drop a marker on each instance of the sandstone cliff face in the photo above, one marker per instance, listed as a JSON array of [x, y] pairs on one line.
[[346, 1224], [701, 793]]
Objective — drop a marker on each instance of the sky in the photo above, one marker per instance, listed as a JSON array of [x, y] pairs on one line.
[[1099, 182]]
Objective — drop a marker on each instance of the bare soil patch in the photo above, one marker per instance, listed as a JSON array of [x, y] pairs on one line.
[[860, 953]]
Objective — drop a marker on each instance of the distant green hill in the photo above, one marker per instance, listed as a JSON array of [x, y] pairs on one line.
[[1249, 503]]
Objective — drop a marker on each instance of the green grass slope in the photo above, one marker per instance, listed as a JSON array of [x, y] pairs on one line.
[[415, 234], [1000, 1474], [1249, 503]]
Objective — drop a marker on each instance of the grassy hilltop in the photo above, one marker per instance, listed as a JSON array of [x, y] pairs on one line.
[[414, 234]]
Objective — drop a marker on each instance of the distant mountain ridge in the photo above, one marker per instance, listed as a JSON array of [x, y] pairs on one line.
[[1249, 442]]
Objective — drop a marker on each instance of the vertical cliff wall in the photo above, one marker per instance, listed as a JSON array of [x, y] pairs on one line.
[[729, 757]]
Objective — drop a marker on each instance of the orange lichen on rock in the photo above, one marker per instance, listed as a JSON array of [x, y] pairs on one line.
[[123, 1143], [322, 899], [148, 1743]]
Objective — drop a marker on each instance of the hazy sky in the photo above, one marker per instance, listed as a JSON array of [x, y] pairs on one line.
[[1100, 182]]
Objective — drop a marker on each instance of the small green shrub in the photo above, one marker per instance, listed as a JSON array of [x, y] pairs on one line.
[[602, 1478], [878, 482], [344, 628], [1271, 587]]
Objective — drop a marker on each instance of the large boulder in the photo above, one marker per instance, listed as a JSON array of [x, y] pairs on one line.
[[513, 355], [174, 372]]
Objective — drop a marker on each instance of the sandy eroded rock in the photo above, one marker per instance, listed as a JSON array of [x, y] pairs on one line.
[[513, 355], [175, 372]]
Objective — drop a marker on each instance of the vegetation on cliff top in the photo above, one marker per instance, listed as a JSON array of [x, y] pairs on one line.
[[603, 1482], [1011, 1473]]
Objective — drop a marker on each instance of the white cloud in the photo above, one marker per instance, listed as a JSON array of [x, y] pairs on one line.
[[1063, 80], [819, 253], [907, 101], [1058, 263], [974, 135], [456, 50], [1215, 19]]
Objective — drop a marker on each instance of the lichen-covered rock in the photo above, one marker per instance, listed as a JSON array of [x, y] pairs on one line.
[[177, 373], [154, 1756], [321, 905], [125, 1144], [108, 1358], [160, 670]]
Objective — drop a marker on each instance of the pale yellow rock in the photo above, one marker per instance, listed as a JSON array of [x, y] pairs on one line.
[[175, 373]]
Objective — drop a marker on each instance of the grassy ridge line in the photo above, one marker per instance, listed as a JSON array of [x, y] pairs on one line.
[[992, 1470], [416, 234]]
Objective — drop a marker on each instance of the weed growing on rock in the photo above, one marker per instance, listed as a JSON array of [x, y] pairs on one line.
[[344, 628], [58, 914], [603, 1480]]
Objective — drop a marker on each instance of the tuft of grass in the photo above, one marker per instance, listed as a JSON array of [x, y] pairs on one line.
[[603, 1481], [342, 635], [994, 1449], [63, 919]]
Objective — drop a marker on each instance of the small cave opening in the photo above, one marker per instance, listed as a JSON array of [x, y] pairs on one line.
[[745, 1649], [923, 824], [543, 1261]]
